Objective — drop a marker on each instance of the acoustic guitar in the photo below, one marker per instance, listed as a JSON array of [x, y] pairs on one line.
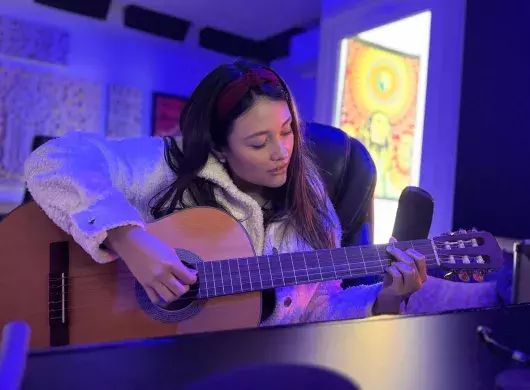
[[47, 280]]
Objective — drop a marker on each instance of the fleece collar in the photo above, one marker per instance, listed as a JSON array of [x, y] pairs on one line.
[[241, 206]]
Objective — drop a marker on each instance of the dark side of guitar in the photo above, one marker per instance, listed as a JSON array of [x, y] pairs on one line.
[[66, 298]]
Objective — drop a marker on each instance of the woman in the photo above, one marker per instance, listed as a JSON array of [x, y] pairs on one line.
[[242, 151]]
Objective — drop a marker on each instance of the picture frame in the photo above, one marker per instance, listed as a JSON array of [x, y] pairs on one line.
[[166, 110]]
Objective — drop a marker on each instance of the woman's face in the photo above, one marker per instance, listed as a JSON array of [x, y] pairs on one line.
[[261, 144]]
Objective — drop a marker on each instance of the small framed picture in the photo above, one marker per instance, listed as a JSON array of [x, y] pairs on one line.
[[166, 114]]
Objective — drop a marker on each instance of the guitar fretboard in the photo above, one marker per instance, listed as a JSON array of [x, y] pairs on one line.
[[233, 276]]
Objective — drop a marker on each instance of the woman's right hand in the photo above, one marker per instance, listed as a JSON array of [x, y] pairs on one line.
[[155, 264]]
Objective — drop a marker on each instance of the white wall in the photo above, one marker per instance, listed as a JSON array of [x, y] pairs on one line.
[[301, 84], [300, 69], [342, 18], [107, 52]]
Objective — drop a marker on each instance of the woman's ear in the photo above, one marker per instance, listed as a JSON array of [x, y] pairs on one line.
[[220, 156]]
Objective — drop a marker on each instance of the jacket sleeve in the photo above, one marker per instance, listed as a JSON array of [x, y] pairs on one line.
[[439, 295], [88, 185], [331, 302]]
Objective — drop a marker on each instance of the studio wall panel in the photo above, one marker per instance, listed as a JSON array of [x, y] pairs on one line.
[[33, 41], [97, 9], [39, 102], [124, 112]]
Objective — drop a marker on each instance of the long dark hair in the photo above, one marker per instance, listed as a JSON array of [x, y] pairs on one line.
[[301, 202]]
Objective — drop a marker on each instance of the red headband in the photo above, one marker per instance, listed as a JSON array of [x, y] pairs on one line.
[[234, 91]]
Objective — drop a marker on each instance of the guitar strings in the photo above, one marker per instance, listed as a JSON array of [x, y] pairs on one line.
[[362, 266], [368, 262], [184, 298], [365, 258], [299, 276], [130, 289], [301, 280], [76, 310], [366, 255]]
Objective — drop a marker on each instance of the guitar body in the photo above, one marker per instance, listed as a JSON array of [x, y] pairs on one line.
[[100, 302]]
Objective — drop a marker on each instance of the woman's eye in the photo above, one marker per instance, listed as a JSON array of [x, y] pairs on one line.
[[259, 146]]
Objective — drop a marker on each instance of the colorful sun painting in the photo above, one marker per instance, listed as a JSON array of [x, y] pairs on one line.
[[378, 107]]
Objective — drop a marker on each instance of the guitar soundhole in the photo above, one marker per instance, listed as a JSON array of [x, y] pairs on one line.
[[188, 298], [182, 309]]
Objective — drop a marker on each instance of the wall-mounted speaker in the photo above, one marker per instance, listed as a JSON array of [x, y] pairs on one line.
[[155, 23], [97, 9]]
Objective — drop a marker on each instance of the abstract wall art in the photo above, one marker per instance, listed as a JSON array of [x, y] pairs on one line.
[[124, 112], [166, 114], [378, 107]]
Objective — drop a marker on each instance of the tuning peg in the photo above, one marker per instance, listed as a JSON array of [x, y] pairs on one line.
[[478, 276], [448, 233], [462, 231], [474, 229]]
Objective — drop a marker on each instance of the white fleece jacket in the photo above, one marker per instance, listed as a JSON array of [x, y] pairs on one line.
[[88, 185]]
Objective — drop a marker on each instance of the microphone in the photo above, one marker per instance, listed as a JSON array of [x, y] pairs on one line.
[[414, 215], [13, 352]]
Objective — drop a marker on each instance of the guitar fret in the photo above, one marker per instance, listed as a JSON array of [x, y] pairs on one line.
[[270, 271], [202, 278], [312, 269], [230, 276], [359, 263], [213, 278], [315, 267], [274, 266], [249, 275], [362, 258], [281, 270], [319, 266], [221, 274], [305, 267], [347, 262], [240, 276], [326, 271], [383, 263], [341, 267], [259, 273], [294, 272], [379, 256], [265, 275], [287, 270], [243, 274], [300, 272]]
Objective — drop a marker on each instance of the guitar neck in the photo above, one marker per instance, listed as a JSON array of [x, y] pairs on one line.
[[233, 276]]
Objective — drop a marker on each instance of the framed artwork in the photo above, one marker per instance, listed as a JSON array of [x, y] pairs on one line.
[[166, 114], [378, 102]]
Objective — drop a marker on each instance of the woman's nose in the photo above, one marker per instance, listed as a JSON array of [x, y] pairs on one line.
[[281, 152]]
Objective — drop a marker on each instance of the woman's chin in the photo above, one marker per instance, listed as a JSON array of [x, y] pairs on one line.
[[277, 181]]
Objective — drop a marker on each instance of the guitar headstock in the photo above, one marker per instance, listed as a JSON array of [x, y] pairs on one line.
[[468, 251]]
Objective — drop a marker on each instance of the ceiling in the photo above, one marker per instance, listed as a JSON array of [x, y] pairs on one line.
[[255, 19]]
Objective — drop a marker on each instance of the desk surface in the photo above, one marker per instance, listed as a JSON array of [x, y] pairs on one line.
[[430, 352]]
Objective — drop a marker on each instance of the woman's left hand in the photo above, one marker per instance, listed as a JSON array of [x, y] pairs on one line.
[[403, 277]]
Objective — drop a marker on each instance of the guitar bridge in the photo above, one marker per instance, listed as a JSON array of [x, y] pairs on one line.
[[58, 283]]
